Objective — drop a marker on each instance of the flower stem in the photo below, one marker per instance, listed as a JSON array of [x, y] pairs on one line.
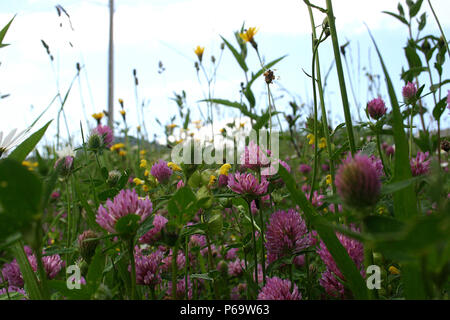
[[174, 271], [254, 241], [337, 56], [133, 268]]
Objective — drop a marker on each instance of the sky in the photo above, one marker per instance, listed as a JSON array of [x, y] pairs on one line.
[[147, 32]]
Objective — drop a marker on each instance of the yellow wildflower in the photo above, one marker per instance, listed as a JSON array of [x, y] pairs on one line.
[[30, 165], [122, 153], [145, 188], [146, 173], [142, 152], [174, 166], [224, 169], [393, 270], [322, 143], [98, 116], [121, 102], [212, 180], [123, 113], [138, 181], [242, 124], [171, 126], [199, 52], [143, 163], [249, 34], [138, 128], [311, 138], [117, 146], [179, 141], [329, 180]]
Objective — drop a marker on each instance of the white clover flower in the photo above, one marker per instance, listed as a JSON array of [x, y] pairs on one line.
[[10, 140], [66, 152]]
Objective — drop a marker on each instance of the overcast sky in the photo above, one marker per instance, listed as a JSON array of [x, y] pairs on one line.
[[149, 31]]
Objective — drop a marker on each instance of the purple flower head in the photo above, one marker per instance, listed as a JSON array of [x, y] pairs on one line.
[[273, 169], [148, 270], [125, 203], [247, 184], [181, 289], [304, 168], [52, 265], [235, 267], [316, 199], [448, 100], [286, 234], [161, 171], [254, 157], [325, 167], [354, 248], [223, 180], [105, 133], [358, 181], [376, 108], [180, 184], [278, 289], [390, 150], [232, 254], [153, 234], [420, 165], [11, 273], [409, 92], [167, 261]]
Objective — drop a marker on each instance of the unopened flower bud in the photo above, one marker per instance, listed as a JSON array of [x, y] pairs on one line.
[[87, 248]]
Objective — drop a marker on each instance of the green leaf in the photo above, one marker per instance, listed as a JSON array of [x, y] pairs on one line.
[[95, 271], [239, 58], [3, 33], [22, 151], [439, 109], [327, 234], [402, 19], [145, 226], [399, 185], [266, 67], [405, 199], [20, 197], [263, 120], [128, 224], [236, 105], [32, 285], [415, 8], [108, 194], [182, 206], [74, 294]]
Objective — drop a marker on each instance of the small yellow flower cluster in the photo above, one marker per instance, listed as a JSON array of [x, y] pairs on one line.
[[311, 138], [329, 179], [117, 147], [172, 126], [393, 270], [142, 153], [224, 169], [174, 166], [212, 180], [143, 163], [322, 143], [30, 165]]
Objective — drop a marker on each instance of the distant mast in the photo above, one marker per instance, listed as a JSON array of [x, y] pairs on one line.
[[111, 67]]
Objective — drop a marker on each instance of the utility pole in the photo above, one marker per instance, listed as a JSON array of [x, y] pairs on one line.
[[111, 67]]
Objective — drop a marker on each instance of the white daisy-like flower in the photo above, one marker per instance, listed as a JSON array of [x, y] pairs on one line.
[[10, 140], [66, 152]]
